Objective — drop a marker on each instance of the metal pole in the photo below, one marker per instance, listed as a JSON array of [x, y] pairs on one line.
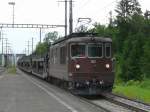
[[40, 35], [2, 45], [6, 51], [71, 18], [65, 1], [13, 5], [6, 47], [0, 35], [2, 52], [65, 17], [25, 51], [28, 47], [32, 44], [13, 14]]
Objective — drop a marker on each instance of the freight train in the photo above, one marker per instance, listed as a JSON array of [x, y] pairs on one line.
[[81, 63]]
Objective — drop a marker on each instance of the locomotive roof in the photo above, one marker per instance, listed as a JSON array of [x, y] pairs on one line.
[[83, 37]]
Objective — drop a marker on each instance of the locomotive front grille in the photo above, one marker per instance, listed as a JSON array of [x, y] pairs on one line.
[[101, 78]]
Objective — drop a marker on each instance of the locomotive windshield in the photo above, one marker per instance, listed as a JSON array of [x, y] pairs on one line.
[[91, 50], [108, 50], [95, 50], [78, 50]]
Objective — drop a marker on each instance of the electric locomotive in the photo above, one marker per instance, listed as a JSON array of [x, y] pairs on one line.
[[79, 62], [82, 63]]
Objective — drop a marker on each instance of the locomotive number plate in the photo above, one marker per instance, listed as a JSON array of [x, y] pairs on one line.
[[93, 61]]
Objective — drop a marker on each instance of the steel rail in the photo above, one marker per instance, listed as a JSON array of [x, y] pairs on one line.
[[126, 102], [90, 102], [116, 100]]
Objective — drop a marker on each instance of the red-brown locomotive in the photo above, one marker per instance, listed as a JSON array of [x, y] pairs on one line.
[[80, 62]]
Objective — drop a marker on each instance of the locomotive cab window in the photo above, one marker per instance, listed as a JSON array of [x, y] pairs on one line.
[[108, 50], [78, 50], [95, 50]]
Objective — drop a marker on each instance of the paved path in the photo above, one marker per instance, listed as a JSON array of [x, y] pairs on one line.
[[23, 93], [1, 70]]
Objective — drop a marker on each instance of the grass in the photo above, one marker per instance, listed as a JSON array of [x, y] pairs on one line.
[[135, 90], [11, 70]]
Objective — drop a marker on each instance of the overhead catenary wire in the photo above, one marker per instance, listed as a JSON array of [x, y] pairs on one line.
[[97, 11], [84, 4]]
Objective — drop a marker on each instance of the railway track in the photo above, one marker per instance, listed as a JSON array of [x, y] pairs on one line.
[[132, 105], [101, 104], [106, 105], [115, 103]]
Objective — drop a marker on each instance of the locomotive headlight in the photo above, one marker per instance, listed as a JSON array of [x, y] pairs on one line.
[[101, 82], [77, 66], [107, 66], [87, 82]]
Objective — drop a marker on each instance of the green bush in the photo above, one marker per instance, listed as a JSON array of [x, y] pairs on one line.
[[132, 82], [11, 70], [145, 84]]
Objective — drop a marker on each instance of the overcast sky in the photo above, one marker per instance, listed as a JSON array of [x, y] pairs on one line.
[[51, 12]]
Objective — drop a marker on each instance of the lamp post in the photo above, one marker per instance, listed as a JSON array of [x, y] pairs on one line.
[[13, 4]]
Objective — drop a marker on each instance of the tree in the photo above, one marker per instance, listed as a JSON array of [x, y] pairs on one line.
[[145, 66], [127, 8], [137, 24], [125, 11], [100, 29], [51, 37], [131, 66], [42, 48], [147, 24], [147, 14], [131, 39]]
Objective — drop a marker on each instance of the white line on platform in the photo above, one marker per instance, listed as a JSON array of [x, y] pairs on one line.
[[54, 96]]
